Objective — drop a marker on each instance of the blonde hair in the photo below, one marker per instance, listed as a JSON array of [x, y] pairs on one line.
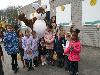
[[9, 25]]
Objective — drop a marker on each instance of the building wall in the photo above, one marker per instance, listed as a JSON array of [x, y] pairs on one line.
[[89, 35], [76, 10]]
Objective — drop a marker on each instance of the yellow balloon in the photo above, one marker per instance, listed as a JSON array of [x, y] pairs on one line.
[[62, 7], [93, 2]]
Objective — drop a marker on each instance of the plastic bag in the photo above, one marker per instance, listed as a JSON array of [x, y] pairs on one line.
[[55, 56], [18, 57]]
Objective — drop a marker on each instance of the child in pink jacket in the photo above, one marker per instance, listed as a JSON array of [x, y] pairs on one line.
[[74, 50]]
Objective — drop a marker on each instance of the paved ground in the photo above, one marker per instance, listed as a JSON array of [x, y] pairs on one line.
[[89, 65]]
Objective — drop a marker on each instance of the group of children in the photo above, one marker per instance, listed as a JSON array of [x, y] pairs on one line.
[[28, 48], [55, 48]]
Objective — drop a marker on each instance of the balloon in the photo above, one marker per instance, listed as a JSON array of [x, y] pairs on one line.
[[62, 7], [93, 2]]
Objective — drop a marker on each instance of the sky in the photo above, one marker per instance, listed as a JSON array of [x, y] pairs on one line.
[[6, 3], [89, 13]]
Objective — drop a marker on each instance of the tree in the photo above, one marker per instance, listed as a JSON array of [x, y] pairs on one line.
[[12, 13]]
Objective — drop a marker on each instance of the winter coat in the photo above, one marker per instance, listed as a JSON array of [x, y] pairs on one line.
[[49, 39], [73, 53], [11, 43], [27, 46], [58, 44]]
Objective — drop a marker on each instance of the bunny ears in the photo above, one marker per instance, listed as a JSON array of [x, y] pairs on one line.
[[37, 6]]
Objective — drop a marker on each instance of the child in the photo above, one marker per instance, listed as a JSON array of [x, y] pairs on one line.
[[58, 47], [43, 51], [49, 41], [74, 51], [11, 46], [35, 48], [1, 57], [27, 46], [21, 50], [67, 63]]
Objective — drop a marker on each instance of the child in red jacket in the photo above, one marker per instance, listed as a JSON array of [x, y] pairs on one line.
[[74, 51]]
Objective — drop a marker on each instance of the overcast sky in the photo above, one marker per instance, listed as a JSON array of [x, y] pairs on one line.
[[6, 3], [90, 13]]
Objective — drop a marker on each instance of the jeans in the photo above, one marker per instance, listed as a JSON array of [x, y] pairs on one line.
[[74, 67], [14, 61], [49, 55], [67, 63], [60, 60], [28, 63]]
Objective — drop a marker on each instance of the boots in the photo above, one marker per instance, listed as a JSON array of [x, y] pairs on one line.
[[35, 61], [14, 68]]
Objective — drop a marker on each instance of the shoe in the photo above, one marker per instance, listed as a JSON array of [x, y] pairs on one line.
[[16, 70], [71, 73], [23, 66], [68, 71], [32, 68], [29, 69], [42, 63], [45, 62], [36, 65], [13, 67], [77, 73]]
